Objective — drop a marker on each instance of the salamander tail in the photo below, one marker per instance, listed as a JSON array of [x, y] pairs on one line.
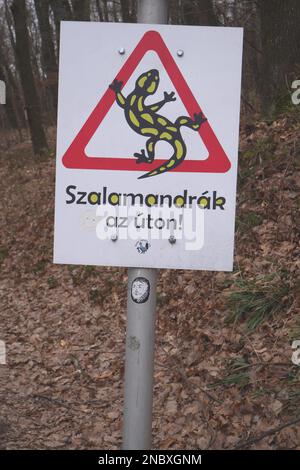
[[178, 156]]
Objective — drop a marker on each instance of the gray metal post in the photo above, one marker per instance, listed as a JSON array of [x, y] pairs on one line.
[[141, 304], [139, 363], [152, 11]]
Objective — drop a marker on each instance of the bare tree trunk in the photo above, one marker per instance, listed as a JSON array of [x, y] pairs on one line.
[[99, 9], [125, 11], [9, 25], [132, 11], [199, 12], [37, 132], [280, 22], [61, 11], [252, 54], [48, 52], [82, 10], [114, 12], [175, 11], [105, 10]]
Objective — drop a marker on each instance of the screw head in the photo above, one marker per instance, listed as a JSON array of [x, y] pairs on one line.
[[121, 51], [172, 240], [180, 52]]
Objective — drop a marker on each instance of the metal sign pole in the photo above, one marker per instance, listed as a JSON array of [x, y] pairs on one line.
[[141, 304], [139, 362]]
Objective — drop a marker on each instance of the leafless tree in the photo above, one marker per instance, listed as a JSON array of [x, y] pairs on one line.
[[31, 97]]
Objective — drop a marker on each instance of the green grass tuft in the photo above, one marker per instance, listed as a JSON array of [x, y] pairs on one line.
[[238, 375], [256, 300]]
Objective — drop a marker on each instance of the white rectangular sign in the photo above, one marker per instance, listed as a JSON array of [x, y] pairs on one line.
[[147, 144]]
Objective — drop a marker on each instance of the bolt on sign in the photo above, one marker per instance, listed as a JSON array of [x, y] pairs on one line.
[[147, 145]]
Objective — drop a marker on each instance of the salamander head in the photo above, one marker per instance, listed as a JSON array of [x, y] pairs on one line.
[[148, 82]]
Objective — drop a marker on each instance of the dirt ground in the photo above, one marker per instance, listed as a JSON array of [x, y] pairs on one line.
[[224, 377]]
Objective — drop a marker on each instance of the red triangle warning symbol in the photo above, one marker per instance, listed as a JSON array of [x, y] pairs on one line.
[[75, 156]]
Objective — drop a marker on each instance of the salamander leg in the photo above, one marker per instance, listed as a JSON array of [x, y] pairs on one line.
[[116, 85], [142, 157], [194, 124], [199, 118]]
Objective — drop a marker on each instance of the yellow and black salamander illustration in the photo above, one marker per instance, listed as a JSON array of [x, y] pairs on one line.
[[145, 120]]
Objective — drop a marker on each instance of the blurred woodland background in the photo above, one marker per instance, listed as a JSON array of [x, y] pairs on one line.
[[29, 45], [225, 377]]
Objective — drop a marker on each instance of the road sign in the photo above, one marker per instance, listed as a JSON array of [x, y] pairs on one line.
[[147, 145], [75, 156]]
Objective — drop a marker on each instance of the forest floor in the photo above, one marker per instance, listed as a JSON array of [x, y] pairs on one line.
[[224, 376]]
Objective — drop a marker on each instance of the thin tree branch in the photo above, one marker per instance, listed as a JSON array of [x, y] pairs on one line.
[[269, 432]]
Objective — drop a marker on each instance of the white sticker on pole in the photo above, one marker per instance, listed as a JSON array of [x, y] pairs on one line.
[[147, 144]]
